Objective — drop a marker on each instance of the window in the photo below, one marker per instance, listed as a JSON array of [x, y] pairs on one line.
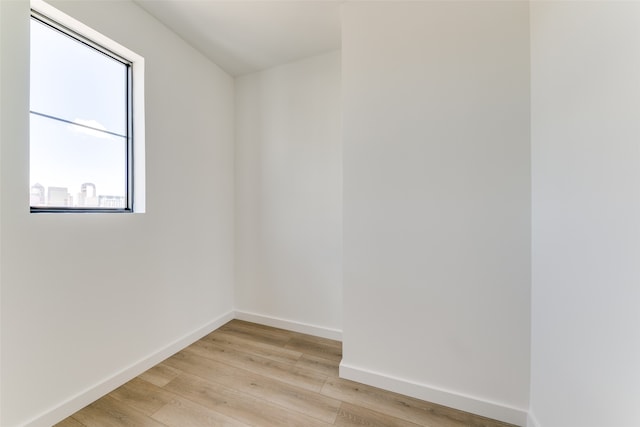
[[83, 119]]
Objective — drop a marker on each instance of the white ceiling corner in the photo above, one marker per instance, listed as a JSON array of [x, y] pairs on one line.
[[245, 36]]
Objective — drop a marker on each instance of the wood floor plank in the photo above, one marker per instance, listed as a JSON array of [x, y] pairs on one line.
[[290, 397], [275, 337], [110, 412], [69, 422], [279, 354], [159, 375], [352, 415], [285, 372], [327, 367], [403, 407], [194, 364], [316, 346], [142, 395], [262, 328], [182, 412], [237, 405]]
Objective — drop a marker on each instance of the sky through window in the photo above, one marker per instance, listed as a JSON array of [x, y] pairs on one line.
[[79, 125]]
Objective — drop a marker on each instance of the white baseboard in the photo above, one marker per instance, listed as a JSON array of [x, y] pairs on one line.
[[432, 394], [532, 421], [290, 325], [79, 401], [409, 388]]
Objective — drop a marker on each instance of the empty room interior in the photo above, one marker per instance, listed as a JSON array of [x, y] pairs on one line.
[[447, 190]]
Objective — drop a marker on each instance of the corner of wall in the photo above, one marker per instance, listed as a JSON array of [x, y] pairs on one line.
[[532, 421]]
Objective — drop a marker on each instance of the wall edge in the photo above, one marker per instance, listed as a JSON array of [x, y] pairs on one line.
[[532, 421]]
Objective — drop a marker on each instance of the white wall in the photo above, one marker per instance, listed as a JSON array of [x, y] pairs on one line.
[[436, 201], [87, 300], [436, 211], [289, 196], [585, 85]]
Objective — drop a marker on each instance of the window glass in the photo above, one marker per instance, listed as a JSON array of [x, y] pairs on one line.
[[68, 156], [80, 130]]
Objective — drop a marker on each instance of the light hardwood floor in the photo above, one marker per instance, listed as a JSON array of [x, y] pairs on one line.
[[245, 374]]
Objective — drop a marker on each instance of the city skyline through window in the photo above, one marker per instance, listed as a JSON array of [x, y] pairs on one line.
[[79, 123]]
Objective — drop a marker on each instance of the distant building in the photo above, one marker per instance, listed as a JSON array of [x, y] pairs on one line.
[[37, 197], [59, 196], [112, 202], [88, 198]]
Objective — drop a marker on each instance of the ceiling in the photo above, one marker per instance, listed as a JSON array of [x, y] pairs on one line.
[[245, 36]]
